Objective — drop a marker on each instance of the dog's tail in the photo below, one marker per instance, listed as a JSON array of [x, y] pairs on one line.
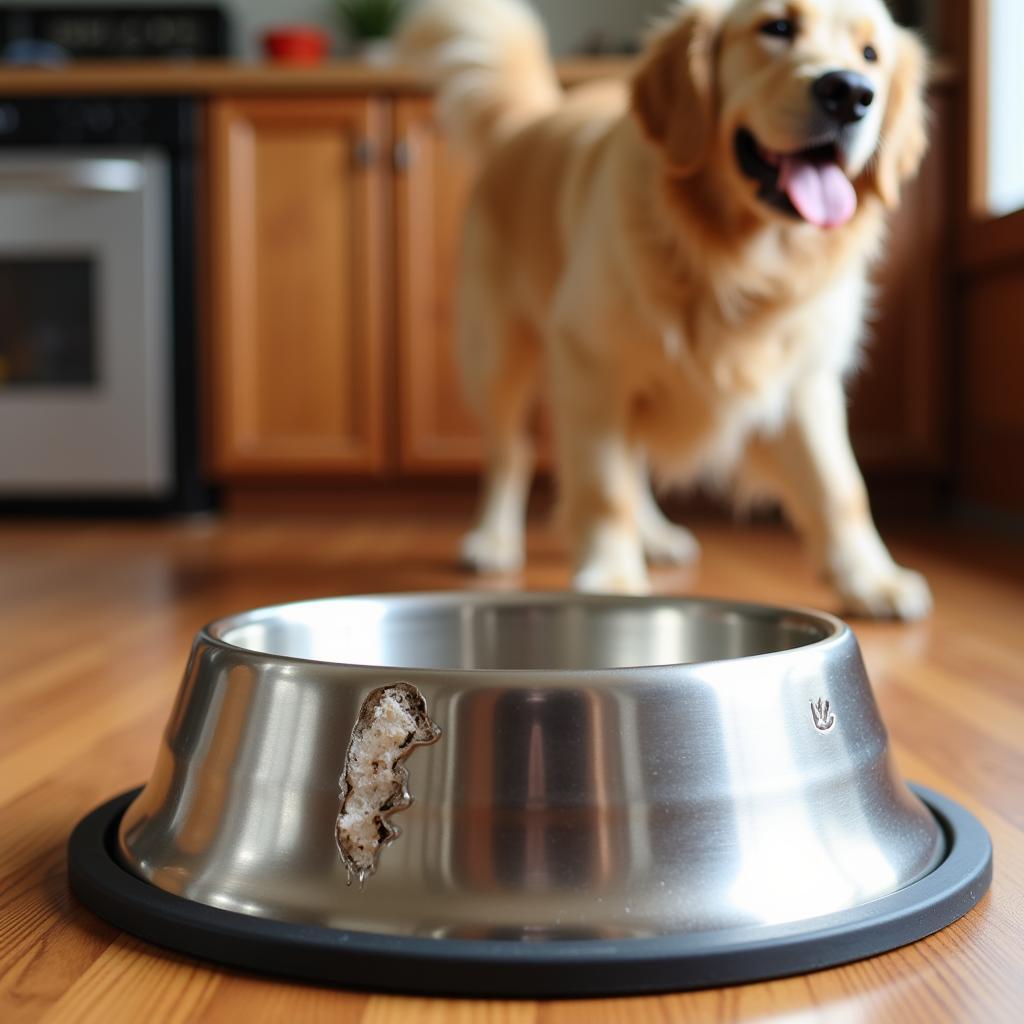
[[492, 62]]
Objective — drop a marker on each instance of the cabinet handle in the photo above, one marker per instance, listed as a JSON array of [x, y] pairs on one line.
[[364, 154], [401, 157]]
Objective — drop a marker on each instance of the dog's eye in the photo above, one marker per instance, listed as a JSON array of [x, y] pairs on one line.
[[870, 54], [780, 28]]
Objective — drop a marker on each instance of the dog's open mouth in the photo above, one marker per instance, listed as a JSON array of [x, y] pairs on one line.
[[809, 184]]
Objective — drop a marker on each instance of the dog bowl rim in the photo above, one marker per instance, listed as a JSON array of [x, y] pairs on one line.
[[835, 631], [502, 968]]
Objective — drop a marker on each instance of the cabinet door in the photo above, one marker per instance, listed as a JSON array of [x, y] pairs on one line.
[[296, 221], [438, 432]]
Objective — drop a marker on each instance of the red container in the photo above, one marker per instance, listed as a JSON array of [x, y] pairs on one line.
[[296, 44]]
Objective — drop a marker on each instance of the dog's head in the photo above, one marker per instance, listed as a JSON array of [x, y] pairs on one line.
[[804, 107]]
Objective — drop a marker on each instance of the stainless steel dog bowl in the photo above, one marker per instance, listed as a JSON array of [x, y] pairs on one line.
[[597, 774]]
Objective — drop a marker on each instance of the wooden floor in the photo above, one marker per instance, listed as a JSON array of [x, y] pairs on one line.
[[95, 625]]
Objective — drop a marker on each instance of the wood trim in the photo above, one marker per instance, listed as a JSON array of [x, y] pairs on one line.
[[966, 28], [220, 245], [991, 472], [978, 41], [454, 495], [993, 243], [989, 265], [207, 350], [233, 246], [436, 432], [371, 204]]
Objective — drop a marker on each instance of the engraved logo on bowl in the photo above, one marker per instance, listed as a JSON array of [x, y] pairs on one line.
[[821, 712]]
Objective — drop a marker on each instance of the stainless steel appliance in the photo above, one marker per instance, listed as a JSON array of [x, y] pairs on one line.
[[54, 32], [542, 794], [97, 303]]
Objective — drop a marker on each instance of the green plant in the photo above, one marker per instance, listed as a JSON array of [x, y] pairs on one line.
[[370, 19]]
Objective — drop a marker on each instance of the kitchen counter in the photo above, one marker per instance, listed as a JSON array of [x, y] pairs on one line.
[[95, 625], [210, 77], [216, 76]]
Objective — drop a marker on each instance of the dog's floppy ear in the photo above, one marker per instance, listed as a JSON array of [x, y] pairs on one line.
[[904, 139], [673, 91]]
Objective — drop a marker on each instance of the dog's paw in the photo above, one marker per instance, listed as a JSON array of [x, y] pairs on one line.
[[491, 552], [616, 571], [668, 544], [894, 594], [607, 579]]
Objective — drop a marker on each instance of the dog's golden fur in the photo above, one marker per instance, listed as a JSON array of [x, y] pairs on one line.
[[614, 243]]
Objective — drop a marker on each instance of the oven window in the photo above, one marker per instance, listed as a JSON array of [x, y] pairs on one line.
[[47, 322]]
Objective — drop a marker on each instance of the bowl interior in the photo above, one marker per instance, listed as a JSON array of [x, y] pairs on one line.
[[519, 634]]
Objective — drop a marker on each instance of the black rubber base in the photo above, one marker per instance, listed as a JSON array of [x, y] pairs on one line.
[[493, 968]]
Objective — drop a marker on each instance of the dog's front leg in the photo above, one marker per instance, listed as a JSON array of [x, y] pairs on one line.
[[811, 466], [664, 542], [597, 470]]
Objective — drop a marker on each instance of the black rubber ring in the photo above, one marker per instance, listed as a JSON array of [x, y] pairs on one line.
[[508, 969]]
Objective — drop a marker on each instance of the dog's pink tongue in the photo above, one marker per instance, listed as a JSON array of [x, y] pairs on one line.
[[821, 193]]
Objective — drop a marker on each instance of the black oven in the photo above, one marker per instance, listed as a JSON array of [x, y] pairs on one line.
[[45, 32], [99, 401]]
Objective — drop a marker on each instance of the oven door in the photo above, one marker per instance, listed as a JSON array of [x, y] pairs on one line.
[[85, 367]]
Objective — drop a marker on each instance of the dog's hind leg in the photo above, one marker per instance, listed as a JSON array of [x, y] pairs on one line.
[[665, 543], [505, 388]]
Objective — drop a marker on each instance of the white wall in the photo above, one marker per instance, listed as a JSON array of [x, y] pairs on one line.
[[1006, 107], [570, 21]]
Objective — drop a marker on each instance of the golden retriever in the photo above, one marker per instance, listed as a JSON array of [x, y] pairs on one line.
[[686, 255]]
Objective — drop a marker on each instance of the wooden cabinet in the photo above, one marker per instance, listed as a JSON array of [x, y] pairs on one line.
[[335, 227], [297, 215], [437, 431]]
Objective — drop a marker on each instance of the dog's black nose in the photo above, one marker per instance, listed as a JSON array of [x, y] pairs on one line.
[[844, 95]]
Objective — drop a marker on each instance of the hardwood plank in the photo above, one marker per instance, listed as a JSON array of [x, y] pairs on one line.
[[159, 988], [40, 924], [33, 761], [261, 1001], [395, 1010], [82, 707], [34, 980]]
